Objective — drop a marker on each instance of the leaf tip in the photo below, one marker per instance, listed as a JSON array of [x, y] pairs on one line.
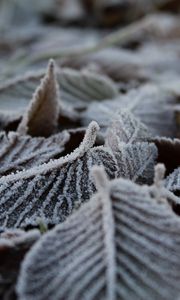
[[90, 136], [51, 67], [159, 174], [100, 177]]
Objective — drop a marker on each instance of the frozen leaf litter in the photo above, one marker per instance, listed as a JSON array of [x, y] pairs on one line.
[[89, 150]]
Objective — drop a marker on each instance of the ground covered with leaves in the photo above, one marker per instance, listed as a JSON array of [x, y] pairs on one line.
[[89, 150]]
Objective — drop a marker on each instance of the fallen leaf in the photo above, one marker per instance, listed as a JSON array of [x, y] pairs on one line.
[[123, 244], [52, 191]]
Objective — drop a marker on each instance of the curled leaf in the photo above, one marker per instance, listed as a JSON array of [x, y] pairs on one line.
[[52, 191], [41, 117], [122, 244]]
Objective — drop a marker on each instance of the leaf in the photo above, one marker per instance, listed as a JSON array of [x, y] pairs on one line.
[[119, 64], [172, 182], [80, 88], [127, 129], [123, 244], [135, 158], [14, 244], [18, 152], [77, 88], [152, 105], [136, 161], [42, 115], [52, 191]]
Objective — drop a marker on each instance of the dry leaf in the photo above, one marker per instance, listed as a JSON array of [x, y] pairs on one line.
[[123, 244], [173, 181], [135, 158], [42, 115], [152, 105], [52, 191], [77, 89], [18, 152], [127, 129]]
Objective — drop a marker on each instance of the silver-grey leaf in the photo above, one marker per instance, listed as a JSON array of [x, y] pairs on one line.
[[152, 105], [122, 244], [52, 191], [136, 161], [18, 152], [172, 182], [127, 129], [42, 115], [77, 89], [135, 158]]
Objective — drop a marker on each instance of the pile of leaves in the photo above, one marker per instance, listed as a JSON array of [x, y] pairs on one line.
[[89, 149]]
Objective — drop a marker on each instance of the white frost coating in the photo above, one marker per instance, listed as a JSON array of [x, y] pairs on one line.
[[172, 182], [41, 117], [118, 248], [81, 87], [135, 161], [100, 178], [30, 75], [159, 175], [86, 144], [152, 105], [102, 184], [16, 237], [19, 152], [126, 128]]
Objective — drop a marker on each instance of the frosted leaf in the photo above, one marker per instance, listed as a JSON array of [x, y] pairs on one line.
[[118, 64], [136, 161], [81, 87], [18, 152], [122, 244], [126, 128], [172, 182], [77, 89], [135, 158], [41, 117], [14, 244], [152, 105], [52, 191], [134, 67]]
